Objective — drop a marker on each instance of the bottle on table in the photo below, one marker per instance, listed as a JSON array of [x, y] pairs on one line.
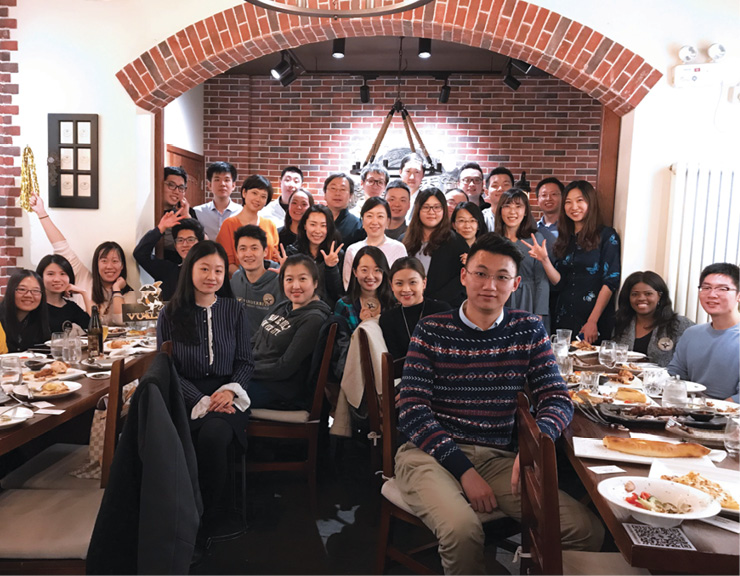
[[95, 335]]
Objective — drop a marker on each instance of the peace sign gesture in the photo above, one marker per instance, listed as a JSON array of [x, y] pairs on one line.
[[332, 258], [537, 251], [281, 257]]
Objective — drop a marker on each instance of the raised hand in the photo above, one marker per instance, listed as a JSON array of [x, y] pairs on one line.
[[281, 256], [72, 289], [537, 251], [37, 205], [168, 220], [332, 258], [119, 284], [184, 208]]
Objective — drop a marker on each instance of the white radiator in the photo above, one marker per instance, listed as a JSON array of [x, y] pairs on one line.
[[703, 228]]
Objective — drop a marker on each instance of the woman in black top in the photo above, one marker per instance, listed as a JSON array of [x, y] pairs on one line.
[[408, 281], [431, 240], [300, 201], [59, 284], [23, 312]]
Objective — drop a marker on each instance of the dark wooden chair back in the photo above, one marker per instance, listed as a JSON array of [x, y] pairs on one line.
[[390, 371], [371, 397], [539, 492], [323, 376], [122, 373]]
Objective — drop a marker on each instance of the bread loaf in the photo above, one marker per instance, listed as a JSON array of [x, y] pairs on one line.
[[655, 448]]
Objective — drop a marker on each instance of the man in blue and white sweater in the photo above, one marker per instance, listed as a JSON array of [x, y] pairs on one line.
[[457, 405]]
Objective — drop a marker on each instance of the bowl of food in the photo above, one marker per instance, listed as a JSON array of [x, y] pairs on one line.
[[658, 502]]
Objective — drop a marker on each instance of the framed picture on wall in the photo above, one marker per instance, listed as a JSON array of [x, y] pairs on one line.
[[73, 161]]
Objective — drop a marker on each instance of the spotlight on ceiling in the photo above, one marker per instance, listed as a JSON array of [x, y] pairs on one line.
[[521, 65], [425, 48], [289, 77], [444, 93], [282, 68], [337, 50], [509, 79], [364, 92]]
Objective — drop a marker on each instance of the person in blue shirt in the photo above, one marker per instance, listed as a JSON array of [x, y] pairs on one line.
[[549, 199]]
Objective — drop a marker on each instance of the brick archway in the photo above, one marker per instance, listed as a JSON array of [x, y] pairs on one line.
[[566, 49]]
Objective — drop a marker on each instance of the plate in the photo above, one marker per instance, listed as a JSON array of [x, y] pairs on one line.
[[24, 355], [23, 391], [723, 406], [70, 374], [702, 504], [728, 479], [632, 355], [634, 383], [99, 375], [619, 414], [594, 448], [99, 363], [15, 416], [611, 390], [114, 331]]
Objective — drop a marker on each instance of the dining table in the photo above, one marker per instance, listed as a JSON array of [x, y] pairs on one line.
[[716, 548]]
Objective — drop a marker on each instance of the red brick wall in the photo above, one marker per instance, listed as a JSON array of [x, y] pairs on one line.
[[545, 128], [9, 151]]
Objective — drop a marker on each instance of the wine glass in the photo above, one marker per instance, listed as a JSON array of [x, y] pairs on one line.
[[607, 353], [620, 354]]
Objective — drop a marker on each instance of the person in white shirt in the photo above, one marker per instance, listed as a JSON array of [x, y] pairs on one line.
[[291, 180], [373, 180], [499, 181], [375, 217], [412, 174], [221, 178]]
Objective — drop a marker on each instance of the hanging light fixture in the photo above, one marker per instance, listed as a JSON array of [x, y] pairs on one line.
[[337, 50], [425, 48], [444, 93], [313, 8], [288, 69], [510, 80], [281, 68], [364, 92]]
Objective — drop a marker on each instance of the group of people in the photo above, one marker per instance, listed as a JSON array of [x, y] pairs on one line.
[[466, 284]]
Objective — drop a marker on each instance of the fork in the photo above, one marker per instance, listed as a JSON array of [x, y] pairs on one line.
[[21, 402]]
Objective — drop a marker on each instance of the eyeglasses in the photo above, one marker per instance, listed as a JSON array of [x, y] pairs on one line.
[[706, 288], [483, 277], [186, 240], [477, 180], [432, 208], [23, 290], [465, 222], [374, 182], [173, 186]]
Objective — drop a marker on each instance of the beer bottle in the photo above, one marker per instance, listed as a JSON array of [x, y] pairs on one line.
[[95, 335]]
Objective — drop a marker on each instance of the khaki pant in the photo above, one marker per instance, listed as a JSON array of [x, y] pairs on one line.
[[437, 498]]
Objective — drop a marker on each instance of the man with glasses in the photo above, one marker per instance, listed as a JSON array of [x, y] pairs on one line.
[[470, 182], [373, 179], [174, 200], [710, 353], [187, 232], [458, 399]]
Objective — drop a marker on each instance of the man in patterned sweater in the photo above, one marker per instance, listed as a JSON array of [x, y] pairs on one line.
[[457, 404]]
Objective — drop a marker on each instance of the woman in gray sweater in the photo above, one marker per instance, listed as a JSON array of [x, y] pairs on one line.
[[645, 319]]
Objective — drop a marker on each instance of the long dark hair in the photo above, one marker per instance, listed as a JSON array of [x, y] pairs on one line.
[[474, 210], [414, 237], [664, 318], [590, 235], [181, 307], [527, 226], [383, 293], [60, 261], [288, 219], [303, 245], [37, 319], [98, 293]]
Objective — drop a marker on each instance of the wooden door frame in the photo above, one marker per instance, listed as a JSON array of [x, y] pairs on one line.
[[606, 180]]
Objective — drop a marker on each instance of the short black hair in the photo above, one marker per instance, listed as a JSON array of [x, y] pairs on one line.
[[549, 180], [60, 261], [397, 183], [291, 169], [220, 168], [375, 167], [373, 202], [250, 231], [175, 171], [189, 224], [336, 175], [724, 268], [413, 157], [496, 244], [473, 165], [258, 182], [500, 170], [460, 191]]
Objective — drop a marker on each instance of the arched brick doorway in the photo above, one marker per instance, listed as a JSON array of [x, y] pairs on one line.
[[566, 49]]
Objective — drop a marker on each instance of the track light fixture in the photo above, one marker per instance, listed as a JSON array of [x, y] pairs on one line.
[[425, 48], [364, 92], [509, 79], [282, 68], [337, 50], [444, 93], [288, 69]]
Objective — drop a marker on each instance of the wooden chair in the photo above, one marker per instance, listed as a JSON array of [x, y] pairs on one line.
[[541, 549], [295, 424], [372, 402], [393, 507], [47, 530]]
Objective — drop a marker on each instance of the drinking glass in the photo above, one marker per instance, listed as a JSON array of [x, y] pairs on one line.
[[653, 379], [559, 347], [590, 381], [11, 373], [105, 334], [732, 436], [564, 334], [73, 350], [620, 354], [57, 345], [607, 353], [565, 365], [674, 393]]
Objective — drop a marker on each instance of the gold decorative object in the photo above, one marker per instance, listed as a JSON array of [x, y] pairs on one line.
[[29, 181]]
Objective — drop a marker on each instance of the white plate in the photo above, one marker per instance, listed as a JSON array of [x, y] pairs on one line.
[[611, 390], [702, 505], [581, 353], [634, 383], [17, 415], [594, 448], [23, 391], [99, 375], [70, 374], [99, 363], [637, 367], [24, 355], [728, 479], [632, 355], [723, 406]]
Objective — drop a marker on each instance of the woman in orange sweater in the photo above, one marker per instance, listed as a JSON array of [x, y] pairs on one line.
[[256, 194]]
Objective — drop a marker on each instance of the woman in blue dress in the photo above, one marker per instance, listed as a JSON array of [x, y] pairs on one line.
[[587, 265]]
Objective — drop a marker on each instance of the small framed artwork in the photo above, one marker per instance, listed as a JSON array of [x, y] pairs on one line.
[[73, 160]]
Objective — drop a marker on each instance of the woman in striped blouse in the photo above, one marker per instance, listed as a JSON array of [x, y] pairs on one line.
[[210, 337]]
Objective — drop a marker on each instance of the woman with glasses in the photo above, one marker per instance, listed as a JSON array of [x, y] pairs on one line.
[[645, 319], [515, 222], [23, 313], [59, 285], [467, 221], [440, 250], [106, 282]]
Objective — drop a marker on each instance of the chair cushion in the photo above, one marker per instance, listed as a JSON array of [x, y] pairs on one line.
[[287, 416], [392, 493], [50, 470], [577, 562], [47, 524]]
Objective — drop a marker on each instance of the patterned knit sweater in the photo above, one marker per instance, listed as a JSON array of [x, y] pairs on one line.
[[460, 385]]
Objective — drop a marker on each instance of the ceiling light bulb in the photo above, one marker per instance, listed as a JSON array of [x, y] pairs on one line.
[[687, 54], [338, 48], [425, 48], [716, 52]]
